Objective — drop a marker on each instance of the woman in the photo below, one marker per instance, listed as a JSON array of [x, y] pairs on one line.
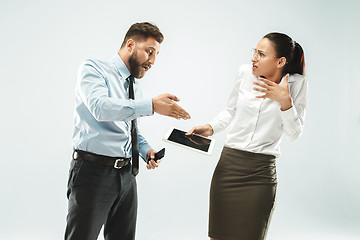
[[268, 99]]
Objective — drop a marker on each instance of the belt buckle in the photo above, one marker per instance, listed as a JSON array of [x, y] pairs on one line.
[[119, 163]]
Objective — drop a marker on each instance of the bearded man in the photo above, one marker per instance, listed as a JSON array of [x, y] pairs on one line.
[[106, 143]]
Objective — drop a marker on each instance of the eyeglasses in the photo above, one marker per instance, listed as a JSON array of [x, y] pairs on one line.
[[257, 54]]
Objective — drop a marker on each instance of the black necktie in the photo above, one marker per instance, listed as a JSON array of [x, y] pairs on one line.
[[134, 136]]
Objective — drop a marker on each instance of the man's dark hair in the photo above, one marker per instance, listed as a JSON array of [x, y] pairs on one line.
[[142, 31]]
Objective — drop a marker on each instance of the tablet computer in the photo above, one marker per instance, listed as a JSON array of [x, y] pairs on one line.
[[194, 142]]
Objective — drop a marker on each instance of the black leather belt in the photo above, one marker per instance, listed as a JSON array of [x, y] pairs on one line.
[[115, 162]]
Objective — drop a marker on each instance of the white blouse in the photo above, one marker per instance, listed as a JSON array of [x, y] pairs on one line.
[[257, 124]]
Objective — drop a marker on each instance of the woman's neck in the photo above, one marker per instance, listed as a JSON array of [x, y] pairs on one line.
[[276, 77]]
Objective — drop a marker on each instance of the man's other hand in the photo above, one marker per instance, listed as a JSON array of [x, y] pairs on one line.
[[151, 164]]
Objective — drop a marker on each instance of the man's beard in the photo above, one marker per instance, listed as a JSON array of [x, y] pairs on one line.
[[135, 66]]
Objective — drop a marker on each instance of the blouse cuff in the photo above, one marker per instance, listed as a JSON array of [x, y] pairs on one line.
[[290, 114], [213, 126]]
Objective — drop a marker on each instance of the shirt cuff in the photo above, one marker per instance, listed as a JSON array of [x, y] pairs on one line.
[[289, 114], [143, 107], [213, 126], [144, 150]]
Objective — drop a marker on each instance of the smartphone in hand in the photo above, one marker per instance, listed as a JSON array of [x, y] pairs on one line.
[[159, 155]]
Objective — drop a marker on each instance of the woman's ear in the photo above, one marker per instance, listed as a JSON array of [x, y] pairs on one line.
[[281, 63]]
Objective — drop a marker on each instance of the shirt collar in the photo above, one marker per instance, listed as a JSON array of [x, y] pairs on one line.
[[290, 79], [121, 67]]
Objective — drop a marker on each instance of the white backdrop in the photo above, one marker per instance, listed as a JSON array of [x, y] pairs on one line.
[[43, 43]]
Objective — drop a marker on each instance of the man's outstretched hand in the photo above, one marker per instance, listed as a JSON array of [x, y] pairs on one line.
[[165, 104]]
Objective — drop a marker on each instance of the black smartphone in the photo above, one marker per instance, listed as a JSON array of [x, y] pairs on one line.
[[160, 154]]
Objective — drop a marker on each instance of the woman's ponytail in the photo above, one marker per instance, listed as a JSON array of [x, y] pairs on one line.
[[297, 62]]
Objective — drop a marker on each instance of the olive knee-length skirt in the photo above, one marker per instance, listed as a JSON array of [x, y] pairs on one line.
[[242, 195]]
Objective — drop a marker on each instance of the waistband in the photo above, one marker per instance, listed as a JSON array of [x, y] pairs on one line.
[[116, 162]]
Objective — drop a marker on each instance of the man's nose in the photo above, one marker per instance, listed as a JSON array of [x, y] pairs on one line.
[[152, 59]]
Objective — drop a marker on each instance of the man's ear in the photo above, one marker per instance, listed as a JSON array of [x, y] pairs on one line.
[[281, 63], [130, 45]]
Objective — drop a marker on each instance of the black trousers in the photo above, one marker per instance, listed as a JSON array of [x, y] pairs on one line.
[[101, 195]]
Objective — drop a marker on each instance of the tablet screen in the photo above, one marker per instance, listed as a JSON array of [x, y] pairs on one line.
[[193, 141]]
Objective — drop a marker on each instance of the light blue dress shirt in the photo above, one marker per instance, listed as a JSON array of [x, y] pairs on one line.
[[103, 110]]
